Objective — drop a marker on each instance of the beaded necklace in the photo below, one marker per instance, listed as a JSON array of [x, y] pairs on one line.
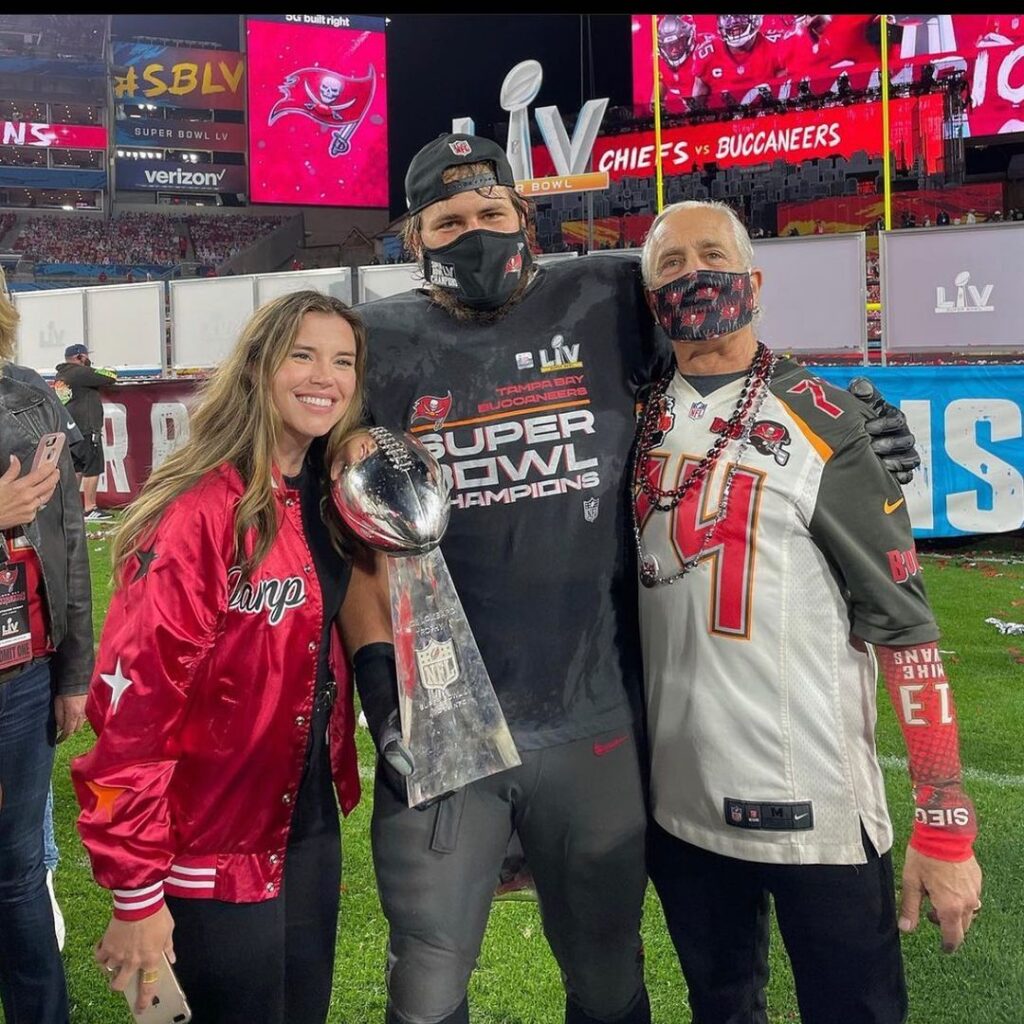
[[739, 425]]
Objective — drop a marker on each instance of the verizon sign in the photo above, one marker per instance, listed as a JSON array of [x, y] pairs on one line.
[[166, 174]]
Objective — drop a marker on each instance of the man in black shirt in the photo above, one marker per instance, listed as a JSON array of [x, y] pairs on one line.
[[86, 407], [518, 379], [522, 381]]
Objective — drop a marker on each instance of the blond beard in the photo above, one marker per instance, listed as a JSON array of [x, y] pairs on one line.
[[446, 299]]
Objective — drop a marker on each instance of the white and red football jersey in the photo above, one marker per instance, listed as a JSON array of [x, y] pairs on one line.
[[676, 86], [760, 686], [677, 82]]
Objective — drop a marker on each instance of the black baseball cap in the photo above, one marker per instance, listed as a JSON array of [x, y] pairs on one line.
[[78, 349], [423, 182]]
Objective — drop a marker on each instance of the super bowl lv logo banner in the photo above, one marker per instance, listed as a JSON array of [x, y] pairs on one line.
[[317, 110], [179, 77]]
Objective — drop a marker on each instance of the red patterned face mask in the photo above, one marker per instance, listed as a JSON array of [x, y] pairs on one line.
[[704, 304]]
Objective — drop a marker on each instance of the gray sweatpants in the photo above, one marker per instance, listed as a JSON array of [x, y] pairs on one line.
[[579, 812]]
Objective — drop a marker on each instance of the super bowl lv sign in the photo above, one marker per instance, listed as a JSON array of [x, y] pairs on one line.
[[570, 158]]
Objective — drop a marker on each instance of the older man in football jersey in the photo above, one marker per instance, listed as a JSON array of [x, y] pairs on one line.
[[757, 495], [521, 379]]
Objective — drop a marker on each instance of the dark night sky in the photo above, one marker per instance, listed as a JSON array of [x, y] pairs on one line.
[[446, 65]]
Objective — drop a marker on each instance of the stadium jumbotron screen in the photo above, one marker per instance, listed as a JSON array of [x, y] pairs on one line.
[[729, 59], [318, 131]]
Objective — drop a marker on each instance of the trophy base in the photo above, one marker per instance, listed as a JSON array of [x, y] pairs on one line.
[[452, 723]]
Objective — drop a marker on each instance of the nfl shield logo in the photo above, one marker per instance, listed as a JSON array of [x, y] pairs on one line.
[[697, 410], [438, 665], [460, 147], [591, 506], [736, 813]]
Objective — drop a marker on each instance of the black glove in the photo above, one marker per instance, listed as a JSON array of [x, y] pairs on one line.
[[377, 682], [891, 439]]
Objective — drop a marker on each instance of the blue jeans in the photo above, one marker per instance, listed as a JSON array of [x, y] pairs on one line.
[[51, 852], [32, 985]]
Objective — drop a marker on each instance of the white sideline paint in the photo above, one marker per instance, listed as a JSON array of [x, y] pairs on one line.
[[892, 763]]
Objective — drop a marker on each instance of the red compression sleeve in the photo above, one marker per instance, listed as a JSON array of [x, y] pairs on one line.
[[944, 822]]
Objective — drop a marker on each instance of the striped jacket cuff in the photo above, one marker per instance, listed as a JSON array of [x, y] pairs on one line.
[[191, 881], [136, 904]]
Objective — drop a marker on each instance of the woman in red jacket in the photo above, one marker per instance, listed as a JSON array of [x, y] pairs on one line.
[[221, 712]]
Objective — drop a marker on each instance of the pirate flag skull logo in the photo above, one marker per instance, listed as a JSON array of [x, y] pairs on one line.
[[328, 97]]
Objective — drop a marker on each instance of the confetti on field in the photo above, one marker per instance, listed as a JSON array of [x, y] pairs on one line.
[[1007, 628]]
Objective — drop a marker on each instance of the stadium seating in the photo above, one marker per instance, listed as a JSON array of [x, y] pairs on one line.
[[137, 239]]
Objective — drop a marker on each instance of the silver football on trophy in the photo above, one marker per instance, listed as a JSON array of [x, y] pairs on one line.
[[395, 497]]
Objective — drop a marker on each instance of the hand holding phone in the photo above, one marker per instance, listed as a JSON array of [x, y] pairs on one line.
[[48, 450], [168, 1004]]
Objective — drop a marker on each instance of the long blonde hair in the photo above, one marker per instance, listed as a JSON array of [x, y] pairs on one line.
[[236, 422]]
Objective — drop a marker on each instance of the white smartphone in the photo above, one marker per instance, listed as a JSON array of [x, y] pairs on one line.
[[168, 1006], [48, 450]]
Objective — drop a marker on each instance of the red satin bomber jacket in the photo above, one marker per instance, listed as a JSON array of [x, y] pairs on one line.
[[201, 701]]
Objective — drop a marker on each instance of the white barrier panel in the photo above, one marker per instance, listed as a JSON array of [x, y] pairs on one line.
[[813, 293], [395, 278], [125, 326], [389, 279], [334, 281], [953, 289], [207, 315], [50, 320]]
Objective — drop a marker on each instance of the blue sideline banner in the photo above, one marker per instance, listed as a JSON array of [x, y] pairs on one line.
[[45, 177], [967, 420]]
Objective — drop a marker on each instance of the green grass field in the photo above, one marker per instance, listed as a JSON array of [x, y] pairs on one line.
[[517, 981]]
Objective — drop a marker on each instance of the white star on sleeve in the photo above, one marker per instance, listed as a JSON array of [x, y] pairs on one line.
[[118, 683]]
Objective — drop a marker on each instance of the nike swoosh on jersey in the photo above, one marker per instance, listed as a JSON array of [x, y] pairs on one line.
[[600, 749], [890, 506]]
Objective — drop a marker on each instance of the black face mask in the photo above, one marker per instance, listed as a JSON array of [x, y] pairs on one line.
[[704, 304], [480, 268]]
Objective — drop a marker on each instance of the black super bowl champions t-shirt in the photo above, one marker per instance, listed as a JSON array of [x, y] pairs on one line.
[[532, 418]]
